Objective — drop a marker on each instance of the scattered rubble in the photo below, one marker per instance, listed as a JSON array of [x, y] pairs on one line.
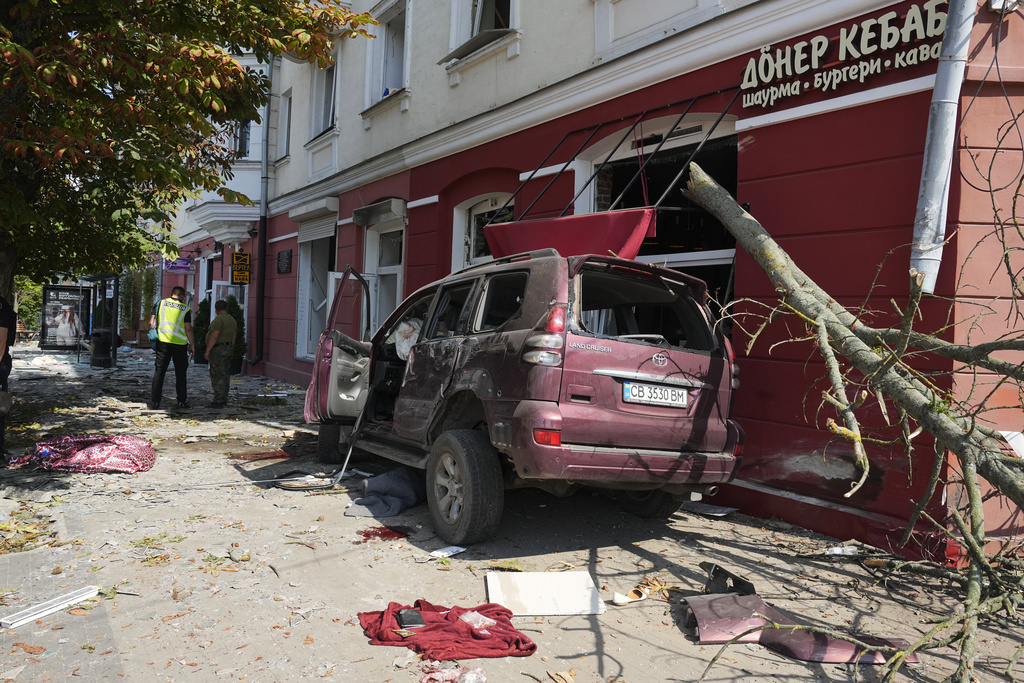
[[205, 568]]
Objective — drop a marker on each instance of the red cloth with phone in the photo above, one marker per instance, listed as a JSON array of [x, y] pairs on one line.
[[445, 636]]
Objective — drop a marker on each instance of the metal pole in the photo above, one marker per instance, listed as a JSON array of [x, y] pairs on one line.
[[930, 219], [114, 322]]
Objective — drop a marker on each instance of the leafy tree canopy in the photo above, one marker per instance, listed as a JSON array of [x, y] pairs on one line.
[[111, 114]]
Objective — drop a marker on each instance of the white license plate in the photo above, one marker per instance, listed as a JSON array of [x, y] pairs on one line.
[[655, 395]]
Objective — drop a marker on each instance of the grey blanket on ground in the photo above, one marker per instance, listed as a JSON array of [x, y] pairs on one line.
[[388, 494]]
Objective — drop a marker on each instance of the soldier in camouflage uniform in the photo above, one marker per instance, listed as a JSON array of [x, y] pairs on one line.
[[220, 343]]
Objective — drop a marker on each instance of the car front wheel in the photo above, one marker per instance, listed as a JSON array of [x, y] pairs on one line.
[[465, 492]]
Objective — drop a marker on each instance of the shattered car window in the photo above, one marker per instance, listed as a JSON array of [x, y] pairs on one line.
[[641, 307], [503, 298], [449, 311]]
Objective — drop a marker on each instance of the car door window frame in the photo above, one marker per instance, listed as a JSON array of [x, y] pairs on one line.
[[440, 308]]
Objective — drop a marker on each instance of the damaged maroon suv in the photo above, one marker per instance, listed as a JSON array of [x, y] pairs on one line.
[[534, 370]]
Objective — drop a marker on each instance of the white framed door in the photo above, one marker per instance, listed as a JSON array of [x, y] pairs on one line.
[[384, 263], [314, 295], [222, 289]]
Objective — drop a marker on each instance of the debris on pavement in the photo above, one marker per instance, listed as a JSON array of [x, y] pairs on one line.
[[49, 607], [700, 508], [731, 610], [447, 551], [445, 636], [225, 613], [25, 530], [545, 593], [721, 580], [727, 617], [846, 550], [459, 675], [298, 480]]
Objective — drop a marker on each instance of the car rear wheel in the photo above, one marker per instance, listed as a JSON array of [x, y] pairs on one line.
[[656, 504], [465, 492], [328, 445]]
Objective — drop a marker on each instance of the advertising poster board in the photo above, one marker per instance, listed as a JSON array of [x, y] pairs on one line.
[[66, 317], [179, 265]]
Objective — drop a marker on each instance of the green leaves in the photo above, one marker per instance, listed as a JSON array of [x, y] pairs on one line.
[[108, 112]]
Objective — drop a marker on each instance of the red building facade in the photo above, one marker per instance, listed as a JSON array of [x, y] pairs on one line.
[[821, 134]]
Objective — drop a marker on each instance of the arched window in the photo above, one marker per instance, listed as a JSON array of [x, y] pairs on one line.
[[469, 244]]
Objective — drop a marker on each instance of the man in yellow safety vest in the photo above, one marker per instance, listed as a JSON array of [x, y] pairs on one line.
[[172, 320]]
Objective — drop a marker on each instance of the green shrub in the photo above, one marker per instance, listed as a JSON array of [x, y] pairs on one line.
[[128, 306], [148, 293]]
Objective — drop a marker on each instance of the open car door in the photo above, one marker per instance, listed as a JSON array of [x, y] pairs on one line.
[[337, 389]]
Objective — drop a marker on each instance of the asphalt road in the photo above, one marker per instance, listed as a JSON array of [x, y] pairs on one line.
[[217, 576]]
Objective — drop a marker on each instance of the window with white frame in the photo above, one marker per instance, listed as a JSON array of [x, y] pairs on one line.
[[388, 54], [687, 238], [469, 243], [240, 138], [489, 15], [624, 26], [323, 100], [284, 125], [478, 23]]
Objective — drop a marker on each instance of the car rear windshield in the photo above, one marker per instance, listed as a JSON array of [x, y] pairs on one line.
[[641, 307]]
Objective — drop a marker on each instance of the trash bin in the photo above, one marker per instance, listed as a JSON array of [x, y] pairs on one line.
[[100, 357]]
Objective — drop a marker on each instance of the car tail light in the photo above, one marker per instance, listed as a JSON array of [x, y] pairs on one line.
[[556, 320], [545, 349], [732, 363], [738, 451], [547, 437]]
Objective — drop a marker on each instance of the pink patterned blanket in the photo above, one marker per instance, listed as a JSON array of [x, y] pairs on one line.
[[91, 453]]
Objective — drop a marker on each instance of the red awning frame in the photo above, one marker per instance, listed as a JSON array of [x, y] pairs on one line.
[[593, 129], [617, 232]]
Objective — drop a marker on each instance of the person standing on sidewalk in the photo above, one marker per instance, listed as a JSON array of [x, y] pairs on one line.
[[8, 325], [220, 345], [172, 320]]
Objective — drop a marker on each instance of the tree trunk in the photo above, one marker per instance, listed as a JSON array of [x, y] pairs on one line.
[[955, 432], [8, 267]]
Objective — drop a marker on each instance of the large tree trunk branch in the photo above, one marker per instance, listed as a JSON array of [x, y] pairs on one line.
[[968, 355], [953, 431]]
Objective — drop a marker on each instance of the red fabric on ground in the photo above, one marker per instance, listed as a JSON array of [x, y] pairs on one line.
[[91, 453], [445, 637]]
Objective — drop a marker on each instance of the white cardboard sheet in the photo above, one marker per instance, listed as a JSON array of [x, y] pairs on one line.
[[536, 594], [1016, 441]]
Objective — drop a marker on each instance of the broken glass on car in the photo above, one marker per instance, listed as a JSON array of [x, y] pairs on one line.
[[641, 307]]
